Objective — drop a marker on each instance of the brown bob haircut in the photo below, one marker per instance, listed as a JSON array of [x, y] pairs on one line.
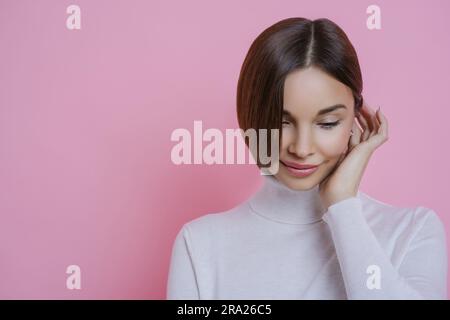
[[284, 47]]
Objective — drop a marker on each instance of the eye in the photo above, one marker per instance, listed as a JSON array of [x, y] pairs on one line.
[[329, 125], [285, 122]]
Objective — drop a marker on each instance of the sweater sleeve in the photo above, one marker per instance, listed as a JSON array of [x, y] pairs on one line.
[[182, 281], [367, 270]]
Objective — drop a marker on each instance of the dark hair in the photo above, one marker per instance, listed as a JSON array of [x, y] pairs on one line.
[[289, 45]]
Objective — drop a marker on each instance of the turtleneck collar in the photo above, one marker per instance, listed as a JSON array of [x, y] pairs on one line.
[[277, 202]]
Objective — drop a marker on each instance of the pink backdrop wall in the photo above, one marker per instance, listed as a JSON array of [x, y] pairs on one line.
[[86, 117]]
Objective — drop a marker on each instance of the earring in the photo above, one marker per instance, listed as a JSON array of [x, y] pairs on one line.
[[351, 132]]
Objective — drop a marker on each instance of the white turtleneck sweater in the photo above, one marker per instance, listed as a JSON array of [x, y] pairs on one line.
[[282, 244]]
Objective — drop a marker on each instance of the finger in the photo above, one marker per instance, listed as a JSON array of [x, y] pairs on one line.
[[369, 114], [383, 130], [382, 133], [365, 126], [371, 117], [355, 139], [376, 124], [377, 117]]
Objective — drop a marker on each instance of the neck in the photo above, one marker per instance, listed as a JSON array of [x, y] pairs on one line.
[[277, 202]]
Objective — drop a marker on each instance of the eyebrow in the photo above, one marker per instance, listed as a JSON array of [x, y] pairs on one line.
[[322, 111]]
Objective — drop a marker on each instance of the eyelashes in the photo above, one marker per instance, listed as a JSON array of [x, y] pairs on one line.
[[329, 125], [325, 125]]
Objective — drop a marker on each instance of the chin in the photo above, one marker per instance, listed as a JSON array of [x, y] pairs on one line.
[[296, 183]]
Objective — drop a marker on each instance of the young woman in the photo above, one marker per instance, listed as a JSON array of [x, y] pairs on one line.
[[308, 232]]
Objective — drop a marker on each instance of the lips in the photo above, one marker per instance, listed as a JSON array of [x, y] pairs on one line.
[[298, 166], [300, 172]]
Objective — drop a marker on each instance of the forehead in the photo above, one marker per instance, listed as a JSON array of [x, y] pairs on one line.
[[307, 91]]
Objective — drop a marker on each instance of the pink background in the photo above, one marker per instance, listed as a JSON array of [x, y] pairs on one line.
[[86, 118]]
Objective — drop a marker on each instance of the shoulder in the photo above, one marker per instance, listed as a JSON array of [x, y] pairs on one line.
[[208, 236], [216, 224]]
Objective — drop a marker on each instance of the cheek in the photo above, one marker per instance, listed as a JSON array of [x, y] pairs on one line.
[[287, 138], [330, 144]]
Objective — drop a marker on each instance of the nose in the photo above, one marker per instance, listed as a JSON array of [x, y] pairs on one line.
[[302, 144]]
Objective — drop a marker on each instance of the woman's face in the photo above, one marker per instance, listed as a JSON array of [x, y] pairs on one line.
[[311, 137]]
